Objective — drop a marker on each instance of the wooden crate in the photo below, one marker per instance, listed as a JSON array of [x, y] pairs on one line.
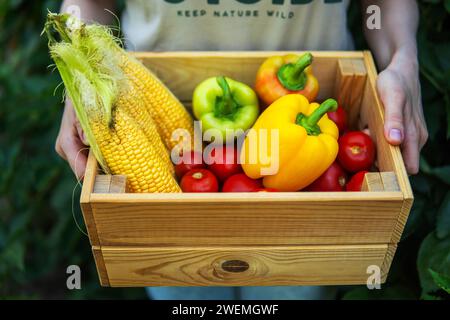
[[259, 238]]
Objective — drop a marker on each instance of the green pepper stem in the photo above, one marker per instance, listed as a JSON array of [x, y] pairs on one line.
[[302, 63], [226, 104], [292, 75], [310, 122]]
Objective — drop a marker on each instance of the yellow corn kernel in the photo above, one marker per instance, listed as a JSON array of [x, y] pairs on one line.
[[132, 102], [166, 110], [127, 151]]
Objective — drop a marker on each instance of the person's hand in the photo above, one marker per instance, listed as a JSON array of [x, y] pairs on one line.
[[71, 143], [399, 90]]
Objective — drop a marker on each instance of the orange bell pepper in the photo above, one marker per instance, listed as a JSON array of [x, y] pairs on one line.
[[282, 75], [291, 144]]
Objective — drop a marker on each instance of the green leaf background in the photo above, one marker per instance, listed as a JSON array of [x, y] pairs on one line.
[[38, 236], [421, 267]]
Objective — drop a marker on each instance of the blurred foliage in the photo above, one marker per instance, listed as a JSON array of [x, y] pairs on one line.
[[421, 267], [38, 236]]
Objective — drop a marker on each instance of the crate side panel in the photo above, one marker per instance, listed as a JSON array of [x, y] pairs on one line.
[[242, 266], [183, 74], [85, 201], [385, 267], [250, 223], [100, 265]]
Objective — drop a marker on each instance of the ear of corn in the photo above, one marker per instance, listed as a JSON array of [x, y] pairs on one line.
[[133, 104], [110, 108], [81, 87], [167, 111], [129, 152]]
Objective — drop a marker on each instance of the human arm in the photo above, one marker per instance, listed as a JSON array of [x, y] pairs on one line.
[[395, 49], [92, 10]]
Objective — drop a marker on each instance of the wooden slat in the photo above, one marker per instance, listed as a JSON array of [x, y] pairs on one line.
[[351, 77], [110, 184], [387, 262], [252, 197], [343, 84], [389, 180], [401, 220], [358, 84], [372, 182], [203, 266], [85, 201], [100, 264], [102, 183], [243, 54], [190, 221], [380, 181], [183, 72], [118, 184]]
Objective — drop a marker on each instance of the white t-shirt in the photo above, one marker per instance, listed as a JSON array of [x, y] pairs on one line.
[[171, 25]]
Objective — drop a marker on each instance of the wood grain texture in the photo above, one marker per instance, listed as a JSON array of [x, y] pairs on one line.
[[401, 220], [372, 182], [202, 266], [380, 182], [357, 90], [389, 180], [187, 222], [100, 265], [243, 54], [85, 199], [343, 83], [252, 197], [110, 184], [118, 184], [182, 72], [102, 183], [387, 262], [350, 81]]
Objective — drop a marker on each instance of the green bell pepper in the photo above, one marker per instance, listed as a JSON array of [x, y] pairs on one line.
[[225, 105]]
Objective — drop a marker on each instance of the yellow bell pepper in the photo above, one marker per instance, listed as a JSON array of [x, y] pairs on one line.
[[291, 144]]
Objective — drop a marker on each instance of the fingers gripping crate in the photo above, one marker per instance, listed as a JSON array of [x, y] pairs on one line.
[[251, 239]]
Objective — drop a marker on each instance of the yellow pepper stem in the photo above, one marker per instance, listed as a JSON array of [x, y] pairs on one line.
[[310, 122], [292, 75]]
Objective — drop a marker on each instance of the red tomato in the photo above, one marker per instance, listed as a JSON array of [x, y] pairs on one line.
[[356, 182], [267, 190], [340, 118], [333, 179], [199, 180], [241, 183], [194, 161], [227, 163], [356, 151]]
